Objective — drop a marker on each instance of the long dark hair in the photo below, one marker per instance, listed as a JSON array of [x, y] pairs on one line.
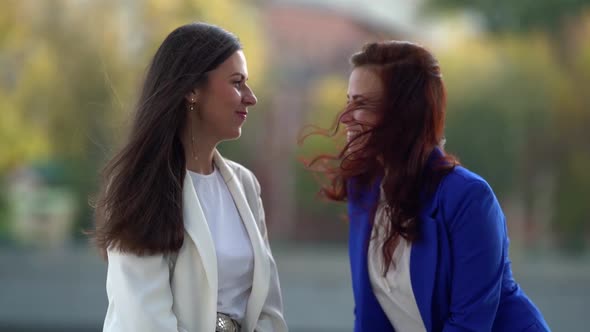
[[139, 207], [398, 148]]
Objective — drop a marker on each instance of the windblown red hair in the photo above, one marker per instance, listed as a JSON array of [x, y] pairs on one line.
[[399, 146]]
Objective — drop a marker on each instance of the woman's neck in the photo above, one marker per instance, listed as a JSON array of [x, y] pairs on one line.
[[199, 154], [202, 165]]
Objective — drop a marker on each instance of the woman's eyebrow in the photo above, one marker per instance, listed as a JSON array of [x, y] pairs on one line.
[[242, 76], [356, 97]]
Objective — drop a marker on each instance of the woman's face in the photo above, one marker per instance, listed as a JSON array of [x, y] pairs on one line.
[[364, 92], [222, 104]]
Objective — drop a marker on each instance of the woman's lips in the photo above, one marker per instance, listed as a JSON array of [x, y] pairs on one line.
[[242, 114]]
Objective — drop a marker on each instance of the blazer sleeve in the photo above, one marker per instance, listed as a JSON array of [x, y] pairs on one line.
[[140, 298], [476, 231], [271, 318]]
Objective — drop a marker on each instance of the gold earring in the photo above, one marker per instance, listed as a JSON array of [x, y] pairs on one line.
[[191, 109], [191, 106], [193, 145]]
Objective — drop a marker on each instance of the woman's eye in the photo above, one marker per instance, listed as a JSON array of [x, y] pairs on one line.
[[237, 84]]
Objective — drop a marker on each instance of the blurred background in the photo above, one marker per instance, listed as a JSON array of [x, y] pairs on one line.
[[517, 74]]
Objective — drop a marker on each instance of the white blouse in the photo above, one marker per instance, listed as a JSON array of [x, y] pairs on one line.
[[235, 258], [394, 291]]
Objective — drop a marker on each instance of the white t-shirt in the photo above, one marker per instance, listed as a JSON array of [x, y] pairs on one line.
[[394, 291], [235, 259]]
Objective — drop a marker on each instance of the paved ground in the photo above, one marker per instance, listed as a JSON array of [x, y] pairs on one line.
[[64, 290]]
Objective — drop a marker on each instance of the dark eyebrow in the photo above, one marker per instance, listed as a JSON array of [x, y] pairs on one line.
[[242, 77], [356, 97], [368, 96]]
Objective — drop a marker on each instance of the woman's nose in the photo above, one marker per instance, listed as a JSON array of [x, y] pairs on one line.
[[249, 98], [347, 117]]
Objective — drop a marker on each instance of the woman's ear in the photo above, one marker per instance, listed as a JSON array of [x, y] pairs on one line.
[[192, 96]]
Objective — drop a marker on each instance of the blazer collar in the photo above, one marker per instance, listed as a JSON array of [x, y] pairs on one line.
[[423, 260], [197, 228], [425, 250]]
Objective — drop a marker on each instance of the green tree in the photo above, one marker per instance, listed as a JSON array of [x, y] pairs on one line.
[[540, 68], [70, 70], [518, 16]]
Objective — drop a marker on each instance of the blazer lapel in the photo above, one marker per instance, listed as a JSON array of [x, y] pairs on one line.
[[424, 256], [196, 226], [261, 279], [369, 315], [422, 269]]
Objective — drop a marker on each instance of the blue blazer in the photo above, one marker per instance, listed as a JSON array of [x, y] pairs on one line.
[[459, 266]]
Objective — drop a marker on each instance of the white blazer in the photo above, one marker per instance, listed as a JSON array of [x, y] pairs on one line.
[[149, 293]]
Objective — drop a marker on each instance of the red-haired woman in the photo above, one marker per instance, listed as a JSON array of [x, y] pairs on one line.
[[428, 241]]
